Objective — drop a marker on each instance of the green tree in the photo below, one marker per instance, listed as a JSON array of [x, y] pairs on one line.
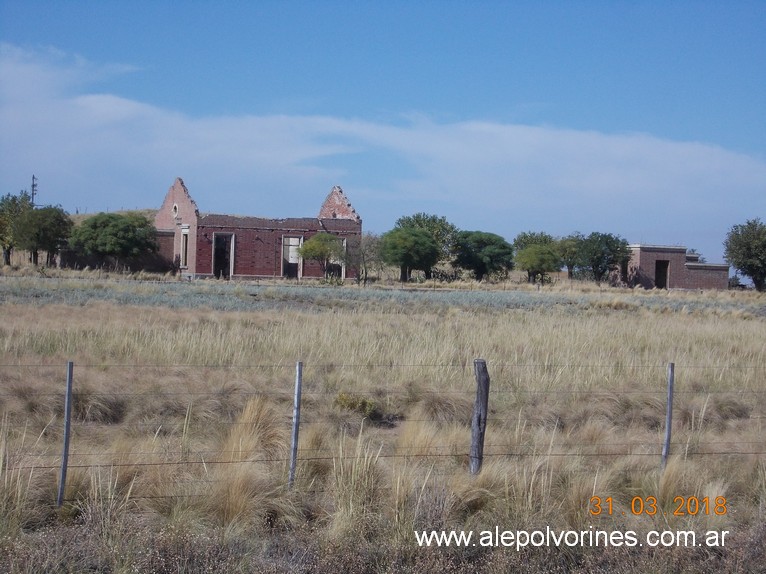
[[324, 248], [442, 231], [483, 253], [44, 229], [12, 211], [538, 260], [603, 253], [115, 235], [409, 248], [745, 250], [527, 238], [366, 257], [570, 252]]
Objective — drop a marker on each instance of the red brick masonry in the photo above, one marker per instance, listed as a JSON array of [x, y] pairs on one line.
[[665, 267], [229, 246]]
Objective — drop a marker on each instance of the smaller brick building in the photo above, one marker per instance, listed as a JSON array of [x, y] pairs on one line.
[[229, 246], [664, 267]]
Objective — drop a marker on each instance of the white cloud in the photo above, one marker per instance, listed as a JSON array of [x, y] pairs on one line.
[[95, 151]]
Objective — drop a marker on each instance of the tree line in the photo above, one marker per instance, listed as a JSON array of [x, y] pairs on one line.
[[437, 248], [110, 238], [433, 245], [419, 242], [483, 254]]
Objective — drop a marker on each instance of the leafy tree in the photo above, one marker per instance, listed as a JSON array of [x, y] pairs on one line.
[[121, 236], [603, 253], [570, 251], [442, 231], [12, 211], [366, 258], [527, 238], [483, 253], [44, 229], [538, 260], [745, 250], [409, 248], [324, 248]]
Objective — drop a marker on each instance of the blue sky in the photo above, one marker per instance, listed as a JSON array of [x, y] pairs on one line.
[[644, 119]]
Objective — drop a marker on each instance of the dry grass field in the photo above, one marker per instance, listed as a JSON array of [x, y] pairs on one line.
[[182, 410]]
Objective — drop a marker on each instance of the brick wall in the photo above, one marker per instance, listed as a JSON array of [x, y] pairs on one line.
[[643, 262], [258, 243], [178, 210], [702, 276], [683, 271]]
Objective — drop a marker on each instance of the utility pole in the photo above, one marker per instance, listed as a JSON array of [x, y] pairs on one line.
[[34, 189]]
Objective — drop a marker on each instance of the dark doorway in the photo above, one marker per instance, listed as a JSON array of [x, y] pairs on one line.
[[661, 267], [222, 256]]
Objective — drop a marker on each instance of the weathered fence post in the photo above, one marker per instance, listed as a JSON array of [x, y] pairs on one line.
[[296, 422], [668, 415], [479, 420], [67, 427]]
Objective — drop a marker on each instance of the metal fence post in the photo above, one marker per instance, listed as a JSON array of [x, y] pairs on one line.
[[296, 422], [668, 415], [479, 420], [67, 427]]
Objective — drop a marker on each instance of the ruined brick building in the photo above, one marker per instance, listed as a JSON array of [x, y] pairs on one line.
[[665, 267], [229, 246]]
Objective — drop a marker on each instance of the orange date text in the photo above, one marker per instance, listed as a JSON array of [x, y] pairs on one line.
[[648, 506]]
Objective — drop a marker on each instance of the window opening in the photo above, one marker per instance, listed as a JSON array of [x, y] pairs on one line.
[[185, 247]]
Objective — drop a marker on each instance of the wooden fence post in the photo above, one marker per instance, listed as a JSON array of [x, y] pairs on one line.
[[668, 415], [67, 427], [479, 420], [296, 422]]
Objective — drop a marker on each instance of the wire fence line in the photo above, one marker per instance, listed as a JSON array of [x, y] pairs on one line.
[[199, 458], [461, 365], [750, 408], [318, 370]]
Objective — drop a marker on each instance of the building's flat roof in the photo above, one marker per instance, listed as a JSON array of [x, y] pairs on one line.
[[710, 266], [647, 247]]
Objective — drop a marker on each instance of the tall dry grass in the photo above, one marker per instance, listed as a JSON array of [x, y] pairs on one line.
[[182, 418]]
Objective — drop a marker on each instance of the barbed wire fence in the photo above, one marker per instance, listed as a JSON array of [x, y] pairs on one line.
[[74, 418]]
